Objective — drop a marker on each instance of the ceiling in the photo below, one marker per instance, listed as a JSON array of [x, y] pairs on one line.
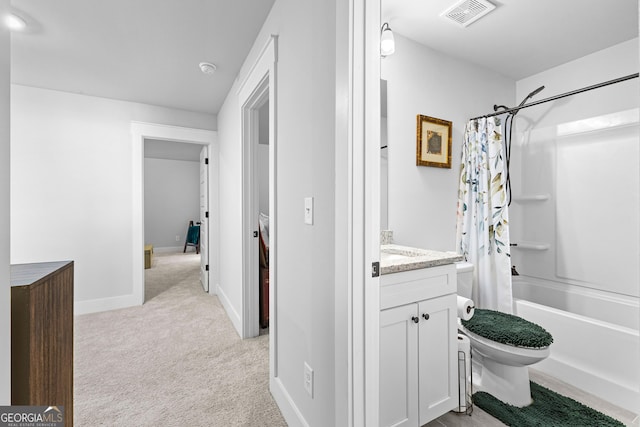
[[518, 38], [144, 51], [148, 51]]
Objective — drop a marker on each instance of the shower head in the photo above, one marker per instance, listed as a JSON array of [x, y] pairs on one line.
[[535, 92], [531, 95]]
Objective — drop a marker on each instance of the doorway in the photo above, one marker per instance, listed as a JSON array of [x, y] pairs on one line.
[[175, 213], [257, 98], [149, 131], [257, 214]]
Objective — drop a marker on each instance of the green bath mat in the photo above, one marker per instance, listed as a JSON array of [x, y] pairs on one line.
[[549, 409]]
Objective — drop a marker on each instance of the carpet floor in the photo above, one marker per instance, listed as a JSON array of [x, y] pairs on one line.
[[174, 361]]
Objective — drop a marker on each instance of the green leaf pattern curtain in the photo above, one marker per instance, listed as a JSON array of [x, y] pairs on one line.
[[482, 233]]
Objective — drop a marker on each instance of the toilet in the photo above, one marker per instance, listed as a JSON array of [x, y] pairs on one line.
[[499, 369]]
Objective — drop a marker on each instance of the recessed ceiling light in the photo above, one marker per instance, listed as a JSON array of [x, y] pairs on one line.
[[207, 67], [15, 23]]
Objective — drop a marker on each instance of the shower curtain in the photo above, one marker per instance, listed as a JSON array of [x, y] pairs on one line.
[[482, 233]]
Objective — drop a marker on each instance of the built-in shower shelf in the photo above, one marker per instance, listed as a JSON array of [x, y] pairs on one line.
[[531, 246], [525, 198]]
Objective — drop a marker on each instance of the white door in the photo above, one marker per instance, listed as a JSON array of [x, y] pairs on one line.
[[204, 219], [399, 366]]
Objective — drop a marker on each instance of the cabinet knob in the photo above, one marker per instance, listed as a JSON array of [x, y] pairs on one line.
[[415, 319], [426, 316]]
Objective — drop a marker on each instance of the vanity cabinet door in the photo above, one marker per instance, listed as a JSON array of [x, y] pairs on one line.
[[399, 366], [437, 357]]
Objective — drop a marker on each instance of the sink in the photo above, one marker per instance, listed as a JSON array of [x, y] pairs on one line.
[[391, 257]]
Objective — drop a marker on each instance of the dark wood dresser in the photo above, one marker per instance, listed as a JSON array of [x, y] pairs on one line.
[[42, 335]]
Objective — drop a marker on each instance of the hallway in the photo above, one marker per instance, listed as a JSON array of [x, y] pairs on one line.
[[176, 360]]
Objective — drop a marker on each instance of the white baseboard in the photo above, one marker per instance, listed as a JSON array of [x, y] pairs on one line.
[[105, 304], [231, 312], [287, 406], [168, 249], [213, 289]]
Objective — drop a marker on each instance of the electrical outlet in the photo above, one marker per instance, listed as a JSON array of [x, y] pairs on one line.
[[177, 238], [308, 379]]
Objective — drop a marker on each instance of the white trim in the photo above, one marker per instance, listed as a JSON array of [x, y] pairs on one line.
[[139, 132], [364, 212], [234, 316], [264, 53], [259, 83], [104, 304], [168, 249], [250, 279], [356, 216], [372, 121], [285, 403]]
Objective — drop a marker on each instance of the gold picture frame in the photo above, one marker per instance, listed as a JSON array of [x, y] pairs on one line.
[[433, 146]]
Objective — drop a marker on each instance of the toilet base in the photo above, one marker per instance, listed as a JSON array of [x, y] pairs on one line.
[[510, 384]]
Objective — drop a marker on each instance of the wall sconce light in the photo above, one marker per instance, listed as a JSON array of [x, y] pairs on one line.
[[14, 22], [387, 42]]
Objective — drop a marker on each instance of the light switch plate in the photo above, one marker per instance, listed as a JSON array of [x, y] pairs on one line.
[[308, 210], [308, 379]]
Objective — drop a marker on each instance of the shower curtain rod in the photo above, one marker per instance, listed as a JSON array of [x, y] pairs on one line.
[[563, 95]]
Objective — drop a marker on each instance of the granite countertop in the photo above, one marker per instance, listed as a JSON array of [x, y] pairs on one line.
[[397, 258]]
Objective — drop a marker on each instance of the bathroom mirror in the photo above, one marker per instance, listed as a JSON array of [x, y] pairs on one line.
[[384, 159]]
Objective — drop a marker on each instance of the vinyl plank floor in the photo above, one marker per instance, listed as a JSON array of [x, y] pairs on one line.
[[480, 418]]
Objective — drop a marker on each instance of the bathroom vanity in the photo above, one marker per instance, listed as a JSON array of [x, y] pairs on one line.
[[418, 335]]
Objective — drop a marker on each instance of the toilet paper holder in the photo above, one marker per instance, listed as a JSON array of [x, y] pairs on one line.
[[465, 378]]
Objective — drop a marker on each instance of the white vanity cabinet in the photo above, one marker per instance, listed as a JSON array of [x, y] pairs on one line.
[[418, 347]]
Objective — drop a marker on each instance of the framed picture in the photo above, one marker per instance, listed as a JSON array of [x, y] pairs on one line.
[[433, 147]]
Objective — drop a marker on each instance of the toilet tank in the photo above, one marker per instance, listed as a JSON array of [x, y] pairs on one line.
[[464, 272]]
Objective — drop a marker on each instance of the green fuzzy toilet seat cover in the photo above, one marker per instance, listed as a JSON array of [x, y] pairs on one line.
[[507, 329]]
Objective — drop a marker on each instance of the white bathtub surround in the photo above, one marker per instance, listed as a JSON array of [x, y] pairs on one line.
[[482, 219], [605, 364], [397, 258], [575, 162]]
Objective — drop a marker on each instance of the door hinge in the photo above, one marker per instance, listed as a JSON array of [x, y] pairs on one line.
[[206, 267], [206, 160], [375, 269], [206, 214]]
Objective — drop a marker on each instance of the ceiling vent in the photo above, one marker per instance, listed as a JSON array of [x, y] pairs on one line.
[[466, 12]]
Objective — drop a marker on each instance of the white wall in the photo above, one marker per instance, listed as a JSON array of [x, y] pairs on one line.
[[171, 200], [305, 157], [5, 292], [71, 184], [420, 80], [591, 218]]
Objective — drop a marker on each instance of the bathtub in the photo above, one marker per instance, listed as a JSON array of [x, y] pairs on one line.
[[596, 339]]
